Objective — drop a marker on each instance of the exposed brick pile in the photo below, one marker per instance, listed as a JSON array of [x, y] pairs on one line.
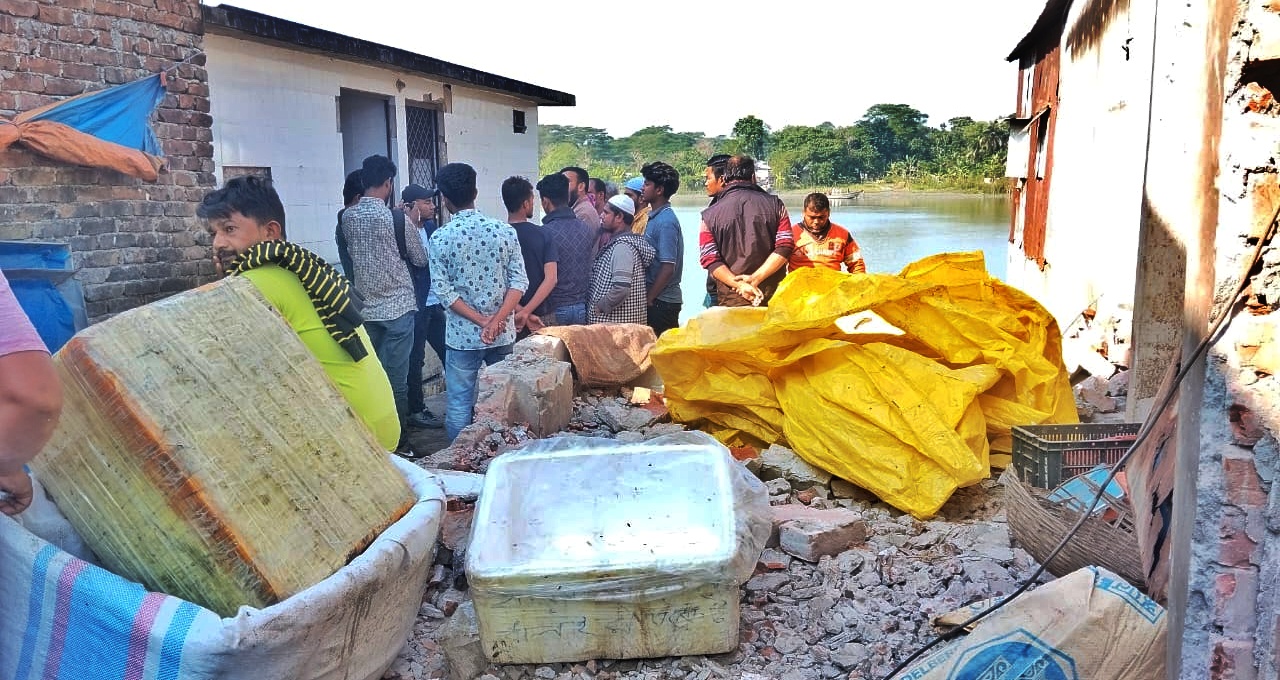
[[133, 241]]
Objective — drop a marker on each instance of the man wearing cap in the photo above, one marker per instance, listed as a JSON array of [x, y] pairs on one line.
[[664, 298], [634, 189], [618, 292], [419, 209]]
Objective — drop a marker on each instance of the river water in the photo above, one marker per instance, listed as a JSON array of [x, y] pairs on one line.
[[893, 230]]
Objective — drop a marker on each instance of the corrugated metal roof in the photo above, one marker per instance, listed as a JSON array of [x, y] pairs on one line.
[[1051, 22]]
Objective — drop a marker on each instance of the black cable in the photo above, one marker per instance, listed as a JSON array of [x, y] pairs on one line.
[[1209, 340]]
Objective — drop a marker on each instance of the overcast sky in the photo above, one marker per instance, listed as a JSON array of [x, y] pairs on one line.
[[699, 66]]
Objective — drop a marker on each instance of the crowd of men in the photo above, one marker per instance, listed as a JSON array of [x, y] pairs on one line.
[[468, 288]]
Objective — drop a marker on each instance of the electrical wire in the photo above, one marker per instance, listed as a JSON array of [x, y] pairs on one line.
[[1219, 326]]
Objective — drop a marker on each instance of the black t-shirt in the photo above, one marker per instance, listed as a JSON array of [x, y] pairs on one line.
[[538, 249]]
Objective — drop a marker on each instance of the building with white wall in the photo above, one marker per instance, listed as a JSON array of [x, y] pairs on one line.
[[1078, 155], [305, 106]]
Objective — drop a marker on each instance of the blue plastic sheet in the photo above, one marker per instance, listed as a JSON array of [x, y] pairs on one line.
[[119, 114], [40, 275]]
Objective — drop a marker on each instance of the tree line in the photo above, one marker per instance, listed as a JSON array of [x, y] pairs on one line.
[[891, 144]]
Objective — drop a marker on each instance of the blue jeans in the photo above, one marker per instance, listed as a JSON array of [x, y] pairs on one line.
[[461, 367], [393, 341], [428, 329], [571, 315]]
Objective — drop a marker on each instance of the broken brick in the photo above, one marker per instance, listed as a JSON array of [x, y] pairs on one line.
[[811, 539]]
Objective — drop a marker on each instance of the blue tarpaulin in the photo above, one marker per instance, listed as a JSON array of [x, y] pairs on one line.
[[40, 275], [109, 128], [120, 114]]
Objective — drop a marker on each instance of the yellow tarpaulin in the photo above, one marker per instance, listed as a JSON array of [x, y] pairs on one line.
[[895, 383]]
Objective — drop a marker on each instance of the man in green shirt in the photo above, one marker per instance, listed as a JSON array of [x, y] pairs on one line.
[[246, 218]]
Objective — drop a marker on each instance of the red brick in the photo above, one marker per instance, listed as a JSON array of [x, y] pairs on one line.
[[1235, 602], [71, 54], [61, 16], [20, 8], [455, 530], [62, 86], [24, 82], [1232, 660], [1243, 485], [42, 65], [1236, 550], [81, 72]]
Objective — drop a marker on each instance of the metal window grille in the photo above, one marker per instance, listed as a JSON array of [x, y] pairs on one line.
[[422, 134]]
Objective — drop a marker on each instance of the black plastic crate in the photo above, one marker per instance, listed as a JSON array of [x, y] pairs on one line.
[[1045, 455]]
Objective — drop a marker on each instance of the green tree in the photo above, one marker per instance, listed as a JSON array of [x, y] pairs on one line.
[[752, 135], [559, 155]]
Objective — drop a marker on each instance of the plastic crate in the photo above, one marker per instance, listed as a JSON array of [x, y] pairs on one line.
[[1044, 455]]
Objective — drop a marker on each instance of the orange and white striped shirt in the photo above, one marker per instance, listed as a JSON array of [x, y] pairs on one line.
[[836, 249]]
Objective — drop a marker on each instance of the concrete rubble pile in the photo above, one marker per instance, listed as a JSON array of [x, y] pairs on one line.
[[847, 588]]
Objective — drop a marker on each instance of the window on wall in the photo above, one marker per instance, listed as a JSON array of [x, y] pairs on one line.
[[1042, 146], [1026, 87], [517, 122], [422, 133]]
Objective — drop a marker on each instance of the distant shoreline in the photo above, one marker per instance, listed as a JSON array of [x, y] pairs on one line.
[[799, 194]]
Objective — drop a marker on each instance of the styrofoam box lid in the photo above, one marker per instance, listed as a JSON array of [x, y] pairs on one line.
[[600, 514]]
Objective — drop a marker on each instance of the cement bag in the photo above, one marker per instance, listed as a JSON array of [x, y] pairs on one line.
[[65, 617], [1087, 625], [895, 383]]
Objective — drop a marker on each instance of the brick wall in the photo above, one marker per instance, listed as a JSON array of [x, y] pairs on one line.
[[1232, 629], [133, 241]]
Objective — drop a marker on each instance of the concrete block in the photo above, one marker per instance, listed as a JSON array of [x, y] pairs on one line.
[[984, 540], [460, 642], [781, 462], [1094, 392], [793, 512], [527, 388], [810, 539], [543, 345], [461, 485], [622, 418]]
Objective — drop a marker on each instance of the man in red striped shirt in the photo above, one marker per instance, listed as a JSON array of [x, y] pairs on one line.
[[823, 243], [745, 238]]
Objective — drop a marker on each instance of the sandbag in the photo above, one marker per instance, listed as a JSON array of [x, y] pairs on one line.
[[66, 617], [898, 384], [1088, 624]]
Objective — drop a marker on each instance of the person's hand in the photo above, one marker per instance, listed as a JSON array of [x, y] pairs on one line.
[[534, 323], [15, 492], [491, 330], [748, 291], [522, 318], [217, 265]]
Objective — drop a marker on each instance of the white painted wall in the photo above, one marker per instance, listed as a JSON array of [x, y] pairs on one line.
[[1099, 157], [277, 107]]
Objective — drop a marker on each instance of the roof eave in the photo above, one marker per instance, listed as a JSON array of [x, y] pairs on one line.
[[242, 23], [1052, 18]]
